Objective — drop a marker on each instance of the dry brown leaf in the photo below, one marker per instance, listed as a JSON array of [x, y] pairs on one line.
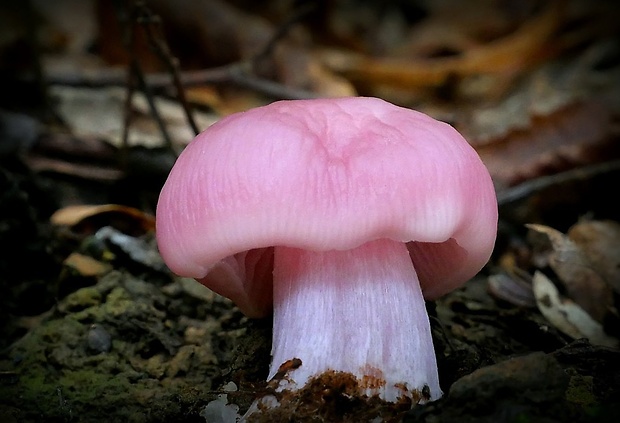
[[508, 54], [600, 242], [325, 83], [576, 134], [211, 33], [199, 33], [583, 283], [224, 101], [512, 289], [86, 266], [453, 28], [566, 315], [89, 218], [297, 68]]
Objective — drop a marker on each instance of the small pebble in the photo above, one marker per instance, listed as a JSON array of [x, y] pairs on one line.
[[99, 340]]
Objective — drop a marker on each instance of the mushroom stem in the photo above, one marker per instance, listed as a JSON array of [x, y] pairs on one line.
[[359, 311]]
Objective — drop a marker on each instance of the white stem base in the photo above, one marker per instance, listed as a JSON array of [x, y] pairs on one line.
[[359, 311]]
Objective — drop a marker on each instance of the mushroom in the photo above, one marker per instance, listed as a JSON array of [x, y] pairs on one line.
[[340, 215]]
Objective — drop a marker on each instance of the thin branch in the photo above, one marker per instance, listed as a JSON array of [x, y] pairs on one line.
[[238, 73], [136, 75], [130, 84], [530, 187], [235, 73], [152, 26], [129, 41], [282, 30], [150, 97]]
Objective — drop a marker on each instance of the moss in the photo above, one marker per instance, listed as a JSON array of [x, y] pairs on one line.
[[149, 373], [81, 299], [581, 391]]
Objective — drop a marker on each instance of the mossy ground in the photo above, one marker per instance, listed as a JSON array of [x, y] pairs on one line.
[[158, 365]]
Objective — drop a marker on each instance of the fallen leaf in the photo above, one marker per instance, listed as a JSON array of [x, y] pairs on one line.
[[98, 113], [512, 289], [86, 266], [89, 218], [220, 31], [567, 316], [299, 69], [583, 283], [600, 242], [223, 101], [574, 134], [508, 54]]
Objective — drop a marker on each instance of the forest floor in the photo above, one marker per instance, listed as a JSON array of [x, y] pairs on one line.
[[93, 325]]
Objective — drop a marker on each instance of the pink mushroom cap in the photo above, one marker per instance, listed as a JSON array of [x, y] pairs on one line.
[[320, 175]]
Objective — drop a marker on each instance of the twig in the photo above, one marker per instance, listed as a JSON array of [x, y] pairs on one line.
[[135, 75], [283, 30], [525, 189], [266, 86], [239, 73], [235, 73], [150, 98], [129, 37], [152, 26]]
